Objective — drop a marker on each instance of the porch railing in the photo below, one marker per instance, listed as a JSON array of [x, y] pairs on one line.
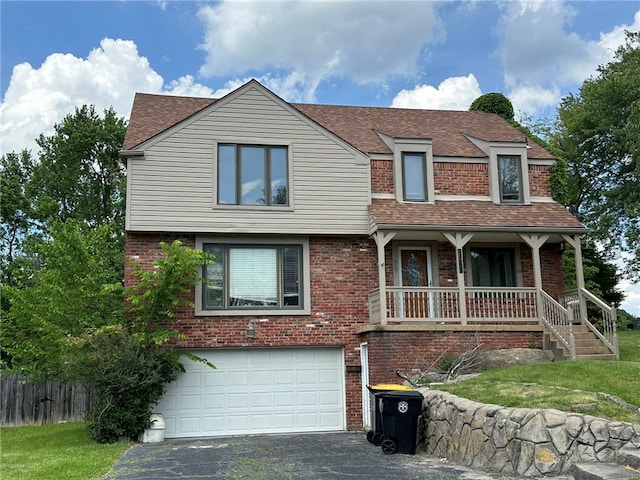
[[559, 320], [599, 317], [441, 304]]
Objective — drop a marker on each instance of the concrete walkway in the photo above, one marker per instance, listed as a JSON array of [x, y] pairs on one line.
[[342, 455]]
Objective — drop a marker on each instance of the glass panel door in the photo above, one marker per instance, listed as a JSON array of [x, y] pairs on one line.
[[415, 271]]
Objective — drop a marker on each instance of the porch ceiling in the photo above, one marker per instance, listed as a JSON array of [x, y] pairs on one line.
[[482, 217]]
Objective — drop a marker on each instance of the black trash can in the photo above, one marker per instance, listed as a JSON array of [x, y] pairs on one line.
[[375, 435], [400, 412]]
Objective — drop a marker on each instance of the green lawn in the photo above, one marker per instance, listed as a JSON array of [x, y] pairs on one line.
[[58, 451], [536, 386]]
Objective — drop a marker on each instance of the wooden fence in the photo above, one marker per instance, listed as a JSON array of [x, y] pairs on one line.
[[37, 403]]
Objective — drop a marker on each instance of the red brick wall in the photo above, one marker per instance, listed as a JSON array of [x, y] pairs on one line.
[[552, 269], [453, 178], [540, 180], [415, 351], [382, 176], [343, 271], [461, 178]]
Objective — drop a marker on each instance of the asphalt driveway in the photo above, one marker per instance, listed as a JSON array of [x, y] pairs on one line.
[[342, 455]]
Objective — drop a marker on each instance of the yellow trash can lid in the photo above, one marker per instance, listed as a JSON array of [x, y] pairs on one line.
[[388, 386]]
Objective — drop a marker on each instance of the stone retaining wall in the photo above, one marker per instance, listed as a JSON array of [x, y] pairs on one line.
[[518, 441]]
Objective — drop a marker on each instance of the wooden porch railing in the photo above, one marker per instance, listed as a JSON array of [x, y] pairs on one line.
[[595, 314], [441, 305], [559, 320], [498, 305]]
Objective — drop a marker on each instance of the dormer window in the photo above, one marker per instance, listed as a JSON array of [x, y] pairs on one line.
[[413, 169], [510, 178], [414, 176]]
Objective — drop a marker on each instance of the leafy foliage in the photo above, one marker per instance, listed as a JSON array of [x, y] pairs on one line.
[[67, 295], [126, 366], [598, 135], [494, 103]]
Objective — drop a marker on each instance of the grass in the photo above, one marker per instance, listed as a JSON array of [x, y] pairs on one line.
[[55, 451], [562, 385]]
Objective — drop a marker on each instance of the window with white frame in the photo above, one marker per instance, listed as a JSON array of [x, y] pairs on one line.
[[252, 175], [250, 277]]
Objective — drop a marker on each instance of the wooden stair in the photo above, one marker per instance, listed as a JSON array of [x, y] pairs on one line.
[[588, 346]]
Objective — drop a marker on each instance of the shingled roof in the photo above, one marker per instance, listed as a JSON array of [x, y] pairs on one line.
[[474, 215], [447, 129]]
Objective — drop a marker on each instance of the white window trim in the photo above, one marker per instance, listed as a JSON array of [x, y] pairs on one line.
[[422, 146], [494, 178], [249, 240]]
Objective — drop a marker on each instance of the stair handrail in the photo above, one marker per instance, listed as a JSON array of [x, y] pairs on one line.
[[608, 314], [559, 320]]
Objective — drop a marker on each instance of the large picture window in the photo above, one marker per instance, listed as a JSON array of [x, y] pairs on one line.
[[510, 178], [252, 175], [414, 177], [493, 267], [253, 277]]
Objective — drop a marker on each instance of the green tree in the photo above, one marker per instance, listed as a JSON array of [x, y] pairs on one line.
[[66, 295], [494, 102], [80, 174], [16, 213], [126, 367], [598, 133]]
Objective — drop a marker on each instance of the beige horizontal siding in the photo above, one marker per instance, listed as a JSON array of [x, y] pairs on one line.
[[171, 188]]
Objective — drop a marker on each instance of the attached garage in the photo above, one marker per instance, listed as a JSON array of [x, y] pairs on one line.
[[261, 390]]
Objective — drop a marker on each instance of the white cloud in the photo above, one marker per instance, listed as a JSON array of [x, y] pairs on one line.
[[454, 93], [540, 55], [533, 99], [36, 98], [631, 302], [304, 43]]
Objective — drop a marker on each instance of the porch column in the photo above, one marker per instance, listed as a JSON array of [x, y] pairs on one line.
[[536, 241], [459, 240], [576, 242], [382, 239]]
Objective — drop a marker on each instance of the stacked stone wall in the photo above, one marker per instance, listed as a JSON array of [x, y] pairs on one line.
[[518, 441]]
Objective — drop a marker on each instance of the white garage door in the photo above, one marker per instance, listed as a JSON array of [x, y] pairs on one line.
[[267, 390]]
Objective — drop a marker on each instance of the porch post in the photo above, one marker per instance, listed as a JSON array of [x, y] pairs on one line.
[[459, 240], [382, 239], [576, 242], [536, 241]]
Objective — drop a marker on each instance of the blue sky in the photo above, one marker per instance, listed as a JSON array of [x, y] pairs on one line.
[[59, 55]]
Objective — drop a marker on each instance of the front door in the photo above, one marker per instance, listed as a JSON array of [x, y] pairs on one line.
[[415, 271]]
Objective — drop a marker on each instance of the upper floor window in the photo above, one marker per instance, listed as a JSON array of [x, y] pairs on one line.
[[253, 277], [510, 178], [414, 176], [493, 267], [252, 175]]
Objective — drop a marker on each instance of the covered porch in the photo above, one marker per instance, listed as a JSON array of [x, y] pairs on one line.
[[447, 285]]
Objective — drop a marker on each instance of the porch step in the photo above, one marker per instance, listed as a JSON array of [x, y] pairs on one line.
[[588, 346], [627, 467]]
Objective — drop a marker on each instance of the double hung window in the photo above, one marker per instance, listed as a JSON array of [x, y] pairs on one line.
[[253, 277], [252, 175], [493, 267]]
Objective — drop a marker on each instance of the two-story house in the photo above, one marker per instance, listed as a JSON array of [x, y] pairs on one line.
[[349, 242]]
